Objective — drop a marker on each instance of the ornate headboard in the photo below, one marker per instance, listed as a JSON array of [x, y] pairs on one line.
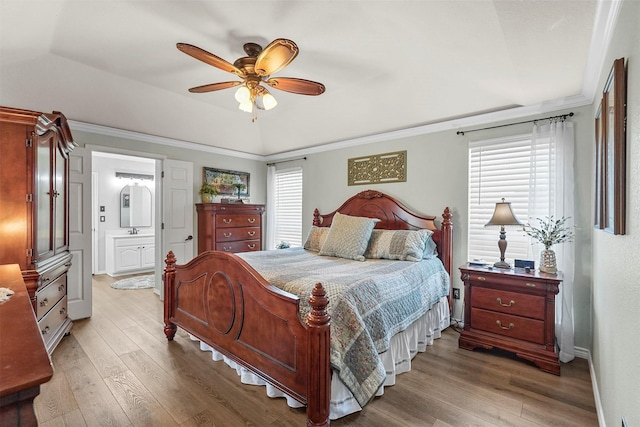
[[394, 215]]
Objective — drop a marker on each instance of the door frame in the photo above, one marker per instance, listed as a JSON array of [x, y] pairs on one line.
[[159, 158]]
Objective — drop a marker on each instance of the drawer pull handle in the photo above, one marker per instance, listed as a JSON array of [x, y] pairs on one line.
[[251, 233], [227, 220], [505, 305], [506, 328], [531, 285], [63, 310], [45, 331], [482, 278], [253, 246], [226, 234], [251, 220], [44, 302], [60, 288], [226, 248]]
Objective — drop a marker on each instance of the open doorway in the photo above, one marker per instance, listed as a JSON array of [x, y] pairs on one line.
[[124, 215]]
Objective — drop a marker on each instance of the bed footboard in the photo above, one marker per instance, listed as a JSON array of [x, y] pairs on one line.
[[223, 301]]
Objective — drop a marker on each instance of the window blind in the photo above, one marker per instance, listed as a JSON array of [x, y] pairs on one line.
[[288, 206], [516, 170]]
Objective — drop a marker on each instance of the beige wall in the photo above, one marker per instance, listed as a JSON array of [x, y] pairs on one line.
[[616, 276]]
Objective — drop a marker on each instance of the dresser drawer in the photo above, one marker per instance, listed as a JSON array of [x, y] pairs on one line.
[[52, 321], [49, 295], [239, 246], [238, 220], [508, 302], [231, 234], [508, 325]]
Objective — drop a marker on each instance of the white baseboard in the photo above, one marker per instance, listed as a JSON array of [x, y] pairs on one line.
[[584, 353]]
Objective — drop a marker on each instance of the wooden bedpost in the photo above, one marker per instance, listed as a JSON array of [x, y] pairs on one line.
[[319, 381], [169, 278], [447, 248]]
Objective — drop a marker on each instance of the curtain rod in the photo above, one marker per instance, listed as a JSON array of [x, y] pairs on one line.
[[562, 116], [284, 161]]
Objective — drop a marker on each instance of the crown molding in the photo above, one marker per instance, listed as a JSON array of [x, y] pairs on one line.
[[154, 139]]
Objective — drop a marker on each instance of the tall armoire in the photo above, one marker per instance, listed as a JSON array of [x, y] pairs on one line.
[[34, 211]]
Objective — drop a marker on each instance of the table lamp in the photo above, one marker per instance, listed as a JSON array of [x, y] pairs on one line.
[[503, 215]]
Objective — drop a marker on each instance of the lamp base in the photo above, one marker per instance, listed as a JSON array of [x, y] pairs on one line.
[[502, 264]]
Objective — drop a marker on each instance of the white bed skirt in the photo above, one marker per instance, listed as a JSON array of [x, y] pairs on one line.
[[404, 346]]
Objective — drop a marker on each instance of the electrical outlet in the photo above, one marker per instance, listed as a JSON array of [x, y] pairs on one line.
[[456, 293]]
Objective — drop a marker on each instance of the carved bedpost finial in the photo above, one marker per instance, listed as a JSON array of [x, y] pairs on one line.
[[170, 261], [316, 217], [446, 217], [318, 302]]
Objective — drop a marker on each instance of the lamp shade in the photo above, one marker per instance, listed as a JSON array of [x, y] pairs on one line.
[[503, 215]]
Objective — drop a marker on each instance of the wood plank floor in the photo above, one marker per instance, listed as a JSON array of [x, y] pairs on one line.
[[117, 369]]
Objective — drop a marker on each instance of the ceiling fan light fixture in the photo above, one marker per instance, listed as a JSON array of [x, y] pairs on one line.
[[246, 106], [268, 101], [243, 94]]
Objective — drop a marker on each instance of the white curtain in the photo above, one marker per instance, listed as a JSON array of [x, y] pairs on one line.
[[270, 241], [557, 139]]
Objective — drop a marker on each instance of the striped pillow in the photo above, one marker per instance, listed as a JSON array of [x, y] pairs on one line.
[[404, 245], [348, 237]]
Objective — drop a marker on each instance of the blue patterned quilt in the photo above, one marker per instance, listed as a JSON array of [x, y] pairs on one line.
[[369, 302]]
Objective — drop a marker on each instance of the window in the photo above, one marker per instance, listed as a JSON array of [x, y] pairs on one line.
[[288, 206], [520, 172]]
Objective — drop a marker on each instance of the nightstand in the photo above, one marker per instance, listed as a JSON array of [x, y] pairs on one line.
[[511, 310]]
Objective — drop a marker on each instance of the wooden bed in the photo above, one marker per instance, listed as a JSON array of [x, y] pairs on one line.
[[224, 302]]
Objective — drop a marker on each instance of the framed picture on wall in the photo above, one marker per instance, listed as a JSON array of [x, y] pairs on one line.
[[612, 120], [229, 183], [598, 221]]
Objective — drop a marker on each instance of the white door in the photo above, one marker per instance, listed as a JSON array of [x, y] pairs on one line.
[[79, 276], [178, 211]]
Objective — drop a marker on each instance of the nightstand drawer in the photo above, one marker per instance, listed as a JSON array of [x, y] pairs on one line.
[[508, 302], [505, 324]]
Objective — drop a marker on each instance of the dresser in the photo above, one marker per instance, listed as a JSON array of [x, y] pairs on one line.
[[24, 362], [34, 218], [511, 310], [229, 227]]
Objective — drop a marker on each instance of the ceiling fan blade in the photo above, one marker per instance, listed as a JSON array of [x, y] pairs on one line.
[[277, 55], [214, 86], [209, 58], [299, 86]]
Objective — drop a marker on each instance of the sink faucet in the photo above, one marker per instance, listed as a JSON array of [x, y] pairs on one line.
[[133, 231]]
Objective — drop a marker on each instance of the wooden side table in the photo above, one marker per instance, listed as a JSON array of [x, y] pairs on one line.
[[511, 310]]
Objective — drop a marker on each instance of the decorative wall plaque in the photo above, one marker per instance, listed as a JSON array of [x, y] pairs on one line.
[[378, 169]]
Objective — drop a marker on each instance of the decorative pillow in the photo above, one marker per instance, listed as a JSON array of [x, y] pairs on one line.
[[316, 238], [348, 236], [404, 245]]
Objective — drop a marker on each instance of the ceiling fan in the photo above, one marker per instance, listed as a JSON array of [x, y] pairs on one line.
[[256, 69]]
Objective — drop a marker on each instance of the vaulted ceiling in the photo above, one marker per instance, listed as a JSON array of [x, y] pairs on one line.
[[386, 65]]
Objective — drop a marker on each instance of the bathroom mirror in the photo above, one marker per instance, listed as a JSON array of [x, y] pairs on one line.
[[135, 206]]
